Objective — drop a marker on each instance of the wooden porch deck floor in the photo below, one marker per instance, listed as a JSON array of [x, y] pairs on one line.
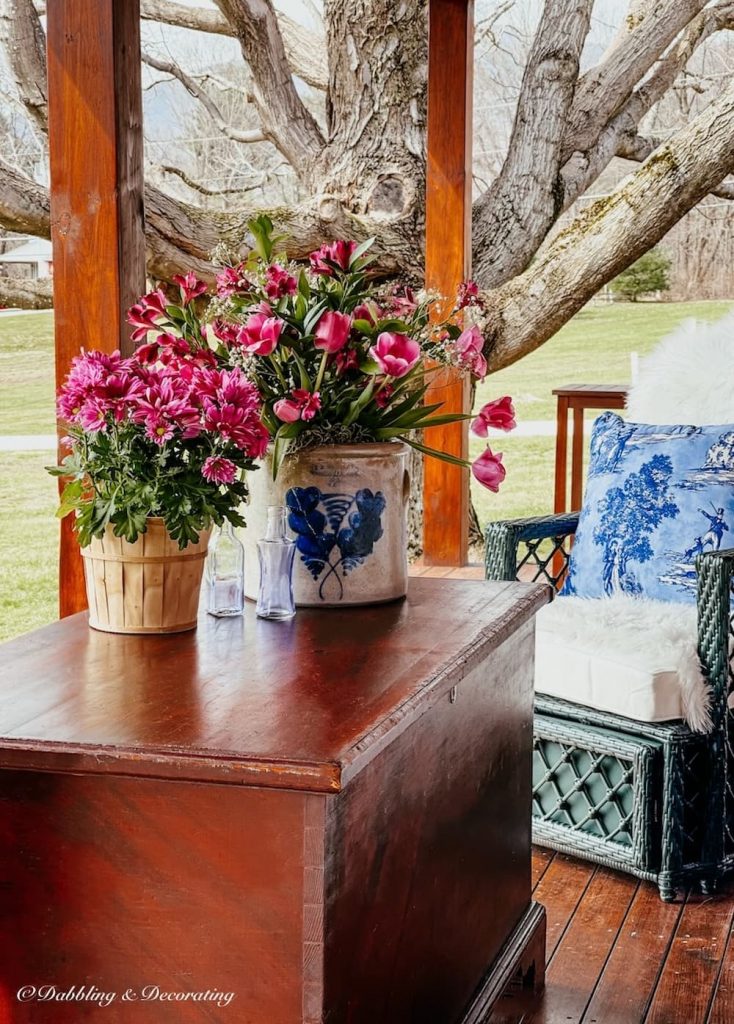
[[617, 954]]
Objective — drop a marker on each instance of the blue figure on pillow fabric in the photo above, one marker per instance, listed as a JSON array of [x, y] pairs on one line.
[[641, 525]]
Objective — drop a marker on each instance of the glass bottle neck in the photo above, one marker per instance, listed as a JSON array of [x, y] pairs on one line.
[[275, 529]]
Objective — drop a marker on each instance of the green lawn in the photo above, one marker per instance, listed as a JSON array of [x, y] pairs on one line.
[[594, 347], [27, 374], [29, 545]]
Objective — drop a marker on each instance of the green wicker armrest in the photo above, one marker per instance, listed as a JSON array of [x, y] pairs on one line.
[[502, 560], [715, 571]]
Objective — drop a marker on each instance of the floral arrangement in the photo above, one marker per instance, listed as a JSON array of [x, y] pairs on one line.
[[282, 355], [152, 435]]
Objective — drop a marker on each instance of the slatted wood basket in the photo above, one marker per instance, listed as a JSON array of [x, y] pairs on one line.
[[150, 586]]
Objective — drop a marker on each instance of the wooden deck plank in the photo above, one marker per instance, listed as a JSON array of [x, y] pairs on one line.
[[631, 973], [722, 1008], [584, 948], [691, 970], [560, 891], [540, 863]]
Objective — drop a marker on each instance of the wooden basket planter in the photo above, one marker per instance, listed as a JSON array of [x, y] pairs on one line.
[[150, 586]]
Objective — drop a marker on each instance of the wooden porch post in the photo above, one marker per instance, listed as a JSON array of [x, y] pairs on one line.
[[96, 162], [448, 261]]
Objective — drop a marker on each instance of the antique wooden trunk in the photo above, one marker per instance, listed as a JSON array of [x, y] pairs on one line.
[[324, 820]]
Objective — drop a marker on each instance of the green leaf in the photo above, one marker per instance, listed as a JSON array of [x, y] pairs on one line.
[[363, 327], [302, 372], [303, 285], [359, 404], [360, 251], [369, 366], [433, 452]]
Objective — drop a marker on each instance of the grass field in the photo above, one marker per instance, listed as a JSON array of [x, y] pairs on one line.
[[594, 347]]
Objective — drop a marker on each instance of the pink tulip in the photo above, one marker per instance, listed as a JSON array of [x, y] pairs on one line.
[[488, 470], [303, 405], [336, 253], [469, 350], [395, 354], [190, 285], [259, 336], [368, 311], [332, 254], [499, 414], [332, 332], [287, 410]]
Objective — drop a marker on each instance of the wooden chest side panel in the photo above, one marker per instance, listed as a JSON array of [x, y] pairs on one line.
[[428, 853], [124, 883]]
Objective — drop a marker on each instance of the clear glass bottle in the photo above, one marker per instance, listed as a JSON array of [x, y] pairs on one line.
[[225, 570], [276, 553]]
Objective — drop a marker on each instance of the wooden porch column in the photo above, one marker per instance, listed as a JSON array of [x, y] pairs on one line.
[[96, 162], [448, 262]]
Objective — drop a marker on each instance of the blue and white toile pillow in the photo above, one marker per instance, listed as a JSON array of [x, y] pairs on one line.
[[656, 497]]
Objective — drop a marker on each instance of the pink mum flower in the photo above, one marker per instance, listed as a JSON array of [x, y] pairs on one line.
[[488, 470], [165, 407], [469, 350], [190, 286], [332, 254], [499, 414], [218, 470], [395, 354], [332, 332], [278, 282]]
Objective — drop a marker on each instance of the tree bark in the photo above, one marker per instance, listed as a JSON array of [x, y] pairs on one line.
[[610, 235], [26, 293], [513, 217], [283, 115], [24, 43], [304, 48]]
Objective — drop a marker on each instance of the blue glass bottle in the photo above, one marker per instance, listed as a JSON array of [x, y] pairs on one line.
[[276, 552]]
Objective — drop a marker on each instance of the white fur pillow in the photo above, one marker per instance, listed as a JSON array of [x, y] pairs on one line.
[[688, 377]]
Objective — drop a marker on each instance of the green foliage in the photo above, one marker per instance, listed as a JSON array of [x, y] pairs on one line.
[[650, 273]]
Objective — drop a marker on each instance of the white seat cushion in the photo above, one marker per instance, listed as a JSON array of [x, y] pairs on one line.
[[627, 655]]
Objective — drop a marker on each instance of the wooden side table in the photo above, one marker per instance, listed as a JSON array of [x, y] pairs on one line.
[[326, 819], [576, 398]]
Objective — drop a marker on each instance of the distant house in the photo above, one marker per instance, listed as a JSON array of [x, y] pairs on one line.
[[33, 258]]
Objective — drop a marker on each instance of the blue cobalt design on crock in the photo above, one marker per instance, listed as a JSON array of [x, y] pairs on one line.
[[335, 533]]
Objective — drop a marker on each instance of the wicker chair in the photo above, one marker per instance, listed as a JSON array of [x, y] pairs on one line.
[[653, 799]]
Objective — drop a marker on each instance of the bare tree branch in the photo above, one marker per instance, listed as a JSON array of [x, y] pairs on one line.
[[611, 234], [24, 205], [198, 187], [283, 115], [620, 136], [304, 49], [24, 42], [603, 90], [26, 293], [195, 90], [514, 216]]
